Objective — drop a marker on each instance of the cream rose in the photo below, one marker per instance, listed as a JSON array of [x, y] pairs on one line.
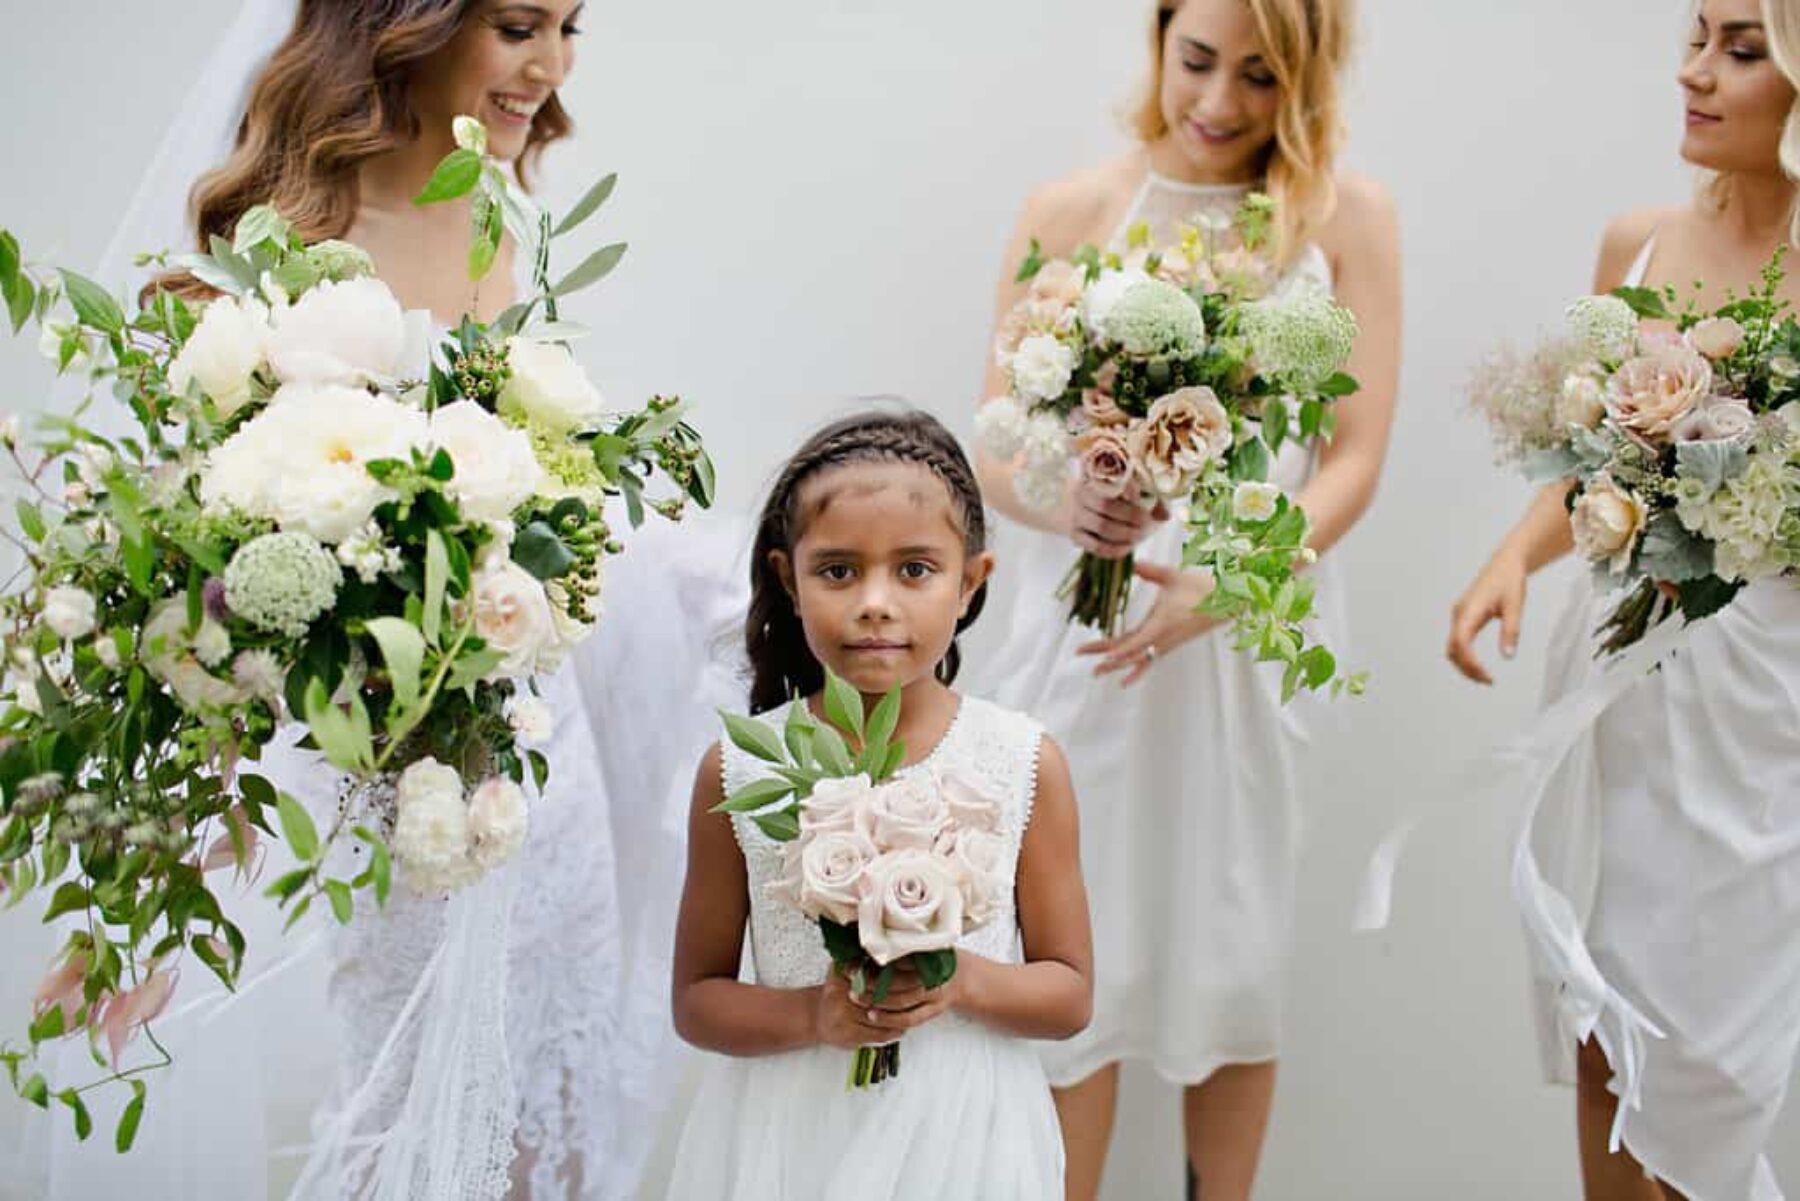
[[497, 821], [909, 811], [912, 902], [1581, 401], [512, 615], [1716, 337], [980, 861], [971, 799], [1106, 462], [549, 387], [836, 804], [831, 870], [1182, 433], [1650, 393], [495, 468], [340, 333], [223, 353], [1607, 521]]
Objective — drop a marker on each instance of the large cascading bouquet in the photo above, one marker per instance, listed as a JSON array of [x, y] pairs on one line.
[[895, 869], [321, 519], [1171, 376], [1679, 432]]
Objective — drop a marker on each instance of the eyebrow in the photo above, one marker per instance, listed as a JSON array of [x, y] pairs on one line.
[[1734, 26], [1202, 47], [536, 10]]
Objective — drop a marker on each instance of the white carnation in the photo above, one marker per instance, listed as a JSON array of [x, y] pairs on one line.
[[1040, 489], [549, 387], [1045, 446], [1042, 367], [69, 612], [495, 468], [1000, 427], [348, 332], [223, 353]]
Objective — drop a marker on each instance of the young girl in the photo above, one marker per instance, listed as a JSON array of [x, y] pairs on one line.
[[869, 559], [1679, 842], [1191, 778]]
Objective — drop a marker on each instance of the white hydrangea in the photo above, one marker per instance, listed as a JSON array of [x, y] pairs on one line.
[[1605, 325], [69, 612], [282, 582], [1042, 367], [1744, 517], [1302, 338], [1000, 427]]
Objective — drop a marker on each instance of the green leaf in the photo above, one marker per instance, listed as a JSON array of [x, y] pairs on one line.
[[782, 827], [94, 305], [456, 175], [69, 897], [755, 738], [474, 667], [437, 575], [403, 650], [935, 967], [587, 205], [342, 907], [596, 267], [832, 754], [843, 705], [758, 794], [896, 755], [490, 227], [1645, 302], [262, 223], [31, 521], [36, 1090], [84, 1122], [381, 865], [21, 297], [297, 827], [541, 551], [48, 1026], [128, 1121], [1250, 461], [298, 913], [797, 733], [885, 720], [1032, 264], [842, 942]]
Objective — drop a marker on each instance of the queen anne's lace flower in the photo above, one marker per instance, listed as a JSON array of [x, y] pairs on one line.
[[282, 582], [1155, 317], [1302, 339], [1605, 325]]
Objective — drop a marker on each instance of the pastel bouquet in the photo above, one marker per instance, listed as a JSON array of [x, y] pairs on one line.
[[895, 869], [1171, 377], [322, 521], [1679, 433]]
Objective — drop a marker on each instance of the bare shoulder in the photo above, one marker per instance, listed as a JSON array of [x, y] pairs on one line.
[[709, 780], [1624, 237], [1077, 207], [1364, 211]]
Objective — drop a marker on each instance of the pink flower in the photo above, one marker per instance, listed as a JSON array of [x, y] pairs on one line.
[[912, 902], [1105, 462], [1650, 393], [1716, 337], [1720, 419], [61, 989], [1182, 433]]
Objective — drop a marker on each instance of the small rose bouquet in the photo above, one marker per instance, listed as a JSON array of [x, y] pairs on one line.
[[1681, 439], [1171, 377], [320, 520], [894, 869]]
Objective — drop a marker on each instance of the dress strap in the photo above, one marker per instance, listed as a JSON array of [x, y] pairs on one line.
[[1640, 266]]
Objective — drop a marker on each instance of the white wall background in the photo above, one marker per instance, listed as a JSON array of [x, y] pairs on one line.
[[817, 192]]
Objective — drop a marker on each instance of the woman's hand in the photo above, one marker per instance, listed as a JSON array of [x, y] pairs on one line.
[[1498, 593], [1109, 527], [1171, 622], [908, 1004]]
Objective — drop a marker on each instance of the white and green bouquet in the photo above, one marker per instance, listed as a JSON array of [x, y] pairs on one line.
[[1171, 376], [1679, 431], [320, 520]]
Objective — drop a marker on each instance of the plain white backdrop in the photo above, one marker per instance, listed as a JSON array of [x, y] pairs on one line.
[[817, 193]]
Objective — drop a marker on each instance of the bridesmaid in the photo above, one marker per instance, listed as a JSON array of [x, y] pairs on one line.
[[1689, 897], [1189, 782]]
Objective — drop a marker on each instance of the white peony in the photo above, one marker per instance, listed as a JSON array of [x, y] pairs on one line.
[[497, 821], [348, 332], [512, 615], [530, 717], [69, 612], [496, 470], [549, 387], [1042, 367], [223, 353], [1000, 427], [1252, 500]]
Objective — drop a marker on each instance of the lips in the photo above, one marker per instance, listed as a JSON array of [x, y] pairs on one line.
[[1695, 118], [1211, 136], [516, 109], [877, 647]]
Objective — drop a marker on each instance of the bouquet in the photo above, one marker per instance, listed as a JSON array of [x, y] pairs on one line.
[[894, 869], [1170, 377], [1681, 440], [315, 522]]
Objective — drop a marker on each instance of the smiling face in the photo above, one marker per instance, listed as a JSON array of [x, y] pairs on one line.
[[1219, 96], [881, 572], [1737, 98], [506, 60]]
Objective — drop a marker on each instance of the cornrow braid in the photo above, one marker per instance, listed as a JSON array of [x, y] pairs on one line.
[[782, 665]]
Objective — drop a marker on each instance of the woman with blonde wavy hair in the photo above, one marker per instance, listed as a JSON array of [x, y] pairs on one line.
[[1189, 780], [1670, 844]]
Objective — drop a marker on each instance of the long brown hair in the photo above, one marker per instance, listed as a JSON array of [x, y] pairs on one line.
[[335, 94], [1306, 44], [782, 665]]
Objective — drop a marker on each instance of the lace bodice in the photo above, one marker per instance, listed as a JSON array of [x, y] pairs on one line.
[[998, 744], [1166, 204]]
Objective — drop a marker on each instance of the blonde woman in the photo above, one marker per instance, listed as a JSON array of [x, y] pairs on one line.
[[1189, 778], [1678, 837]]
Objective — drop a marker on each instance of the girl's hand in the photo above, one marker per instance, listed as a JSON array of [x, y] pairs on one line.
[[908, 1004], [843, 1022], [1171, 622], [1109, 527], [1498, 593]]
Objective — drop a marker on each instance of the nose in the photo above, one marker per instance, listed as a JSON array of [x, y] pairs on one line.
[[1218, 101], [1696, 74], [875, 599], [550, 66]]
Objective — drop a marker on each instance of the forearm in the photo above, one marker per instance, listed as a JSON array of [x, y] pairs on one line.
[[1543, 534], [998, 492], [1337, 496], [1045, 998], [734, 1018]]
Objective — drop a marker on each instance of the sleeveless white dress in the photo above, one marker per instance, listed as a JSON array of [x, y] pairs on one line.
[[1188, 781], [1672, 832], [969, 1117]]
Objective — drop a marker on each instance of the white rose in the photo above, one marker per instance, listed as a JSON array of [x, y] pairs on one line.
[[512, 615], [910, 811], [1042, 367], [530, 717], [1254, 501], [549, 387], [837, 803], [69, 612], [223, 353], [831, 869], [981, 862], [496, 469], [1606, 522], [1581, 402], [1103, 294], [972, 801], [912, 901], [497, 821], [340, 333]]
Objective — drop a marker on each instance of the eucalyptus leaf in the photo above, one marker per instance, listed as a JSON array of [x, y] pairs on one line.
[[596, 267], [587, 206]]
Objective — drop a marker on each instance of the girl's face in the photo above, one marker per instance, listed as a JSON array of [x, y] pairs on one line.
[[1737, 99], [502, 65], [880, 574], [1219, 98]]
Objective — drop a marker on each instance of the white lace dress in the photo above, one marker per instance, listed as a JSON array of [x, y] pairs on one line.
[[1670, 850], [1188, 781], [969, 1117]]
